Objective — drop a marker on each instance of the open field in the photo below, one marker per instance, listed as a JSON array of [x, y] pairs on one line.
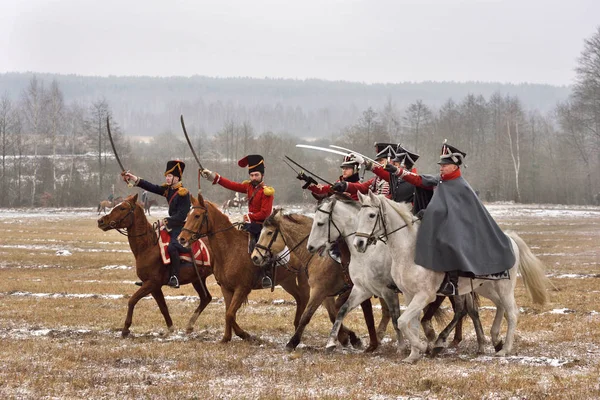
[[65, 284]]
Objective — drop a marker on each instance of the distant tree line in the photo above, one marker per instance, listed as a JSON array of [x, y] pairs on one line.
[[56, 153]]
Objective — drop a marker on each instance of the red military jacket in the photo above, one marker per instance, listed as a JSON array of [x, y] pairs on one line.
[[260, 198], [325, 191]]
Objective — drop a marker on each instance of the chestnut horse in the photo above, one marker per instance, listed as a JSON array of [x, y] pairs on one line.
[[104, 204], [128, 218], [325, 276], [233, 269]]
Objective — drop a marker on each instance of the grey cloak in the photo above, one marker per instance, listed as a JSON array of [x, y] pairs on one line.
[[458, 233]]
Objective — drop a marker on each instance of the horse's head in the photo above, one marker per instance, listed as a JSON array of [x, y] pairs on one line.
[[324, 231], [121, 216], [369, 221], [271, 241], [196, 223]]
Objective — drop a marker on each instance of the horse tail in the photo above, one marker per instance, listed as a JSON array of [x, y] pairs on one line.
[[532, 270]]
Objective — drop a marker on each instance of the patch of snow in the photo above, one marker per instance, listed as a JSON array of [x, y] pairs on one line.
[[64, 253], [116, 267]]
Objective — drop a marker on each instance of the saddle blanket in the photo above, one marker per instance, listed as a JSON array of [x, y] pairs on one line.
[[199, 250], [494, 277]]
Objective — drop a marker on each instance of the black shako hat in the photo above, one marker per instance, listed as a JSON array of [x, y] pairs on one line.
[[175, 167], [254, 162], [405, 157], [451, 155], [385, 150]]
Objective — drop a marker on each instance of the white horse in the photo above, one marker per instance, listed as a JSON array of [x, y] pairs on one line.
[[380, 218], [370, 271]]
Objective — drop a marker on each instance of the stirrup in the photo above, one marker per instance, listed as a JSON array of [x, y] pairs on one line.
[[448, 289], [266, 282], [139, 283], [173, 282]]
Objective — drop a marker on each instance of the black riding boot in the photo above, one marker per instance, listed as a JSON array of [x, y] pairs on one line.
[[450, 284], [174, 269]]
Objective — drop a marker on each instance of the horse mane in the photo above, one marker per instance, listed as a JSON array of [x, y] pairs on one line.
[[402, 210], [294, 218]]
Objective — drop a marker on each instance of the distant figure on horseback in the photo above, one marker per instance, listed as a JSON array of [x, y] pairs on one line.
[[179, 202], [457, 234], [260, 199]]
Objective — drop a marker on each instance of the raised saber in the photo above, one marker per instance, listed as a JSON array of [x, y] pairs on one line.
[[356, 152], [189, 142], [312, 173], [112, 144], [325, 149]]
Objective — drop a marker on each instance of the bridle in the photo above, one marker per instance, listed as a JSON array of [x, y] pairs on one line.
[[196, 235], [267, 254], [130, 213], [331, 222], [372, 238]]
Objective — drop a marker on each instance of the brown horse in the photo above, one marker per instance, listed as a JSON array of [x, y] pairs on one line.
[[325, 276], [107, 204], [233, 269], [148, 204], [128, 218]]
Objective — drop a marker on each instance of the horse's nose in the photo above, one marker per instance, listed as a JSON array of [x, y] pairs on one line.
[[310, 248], [359, 243], [182, 241], [255, 259]]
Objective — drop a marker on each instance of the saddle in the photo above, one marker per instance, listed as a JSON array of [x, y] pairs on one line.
[[199, 250]]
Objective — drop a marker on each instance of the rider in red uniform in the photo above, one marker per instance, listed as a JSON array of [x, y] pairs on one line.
[[260, 197], [350, 168]]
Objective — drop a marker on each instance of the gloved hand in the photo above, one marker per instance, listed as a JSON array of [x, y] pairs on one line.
[[128, 177], [246, 218], [208, 174], [340, 187], [306, 178], [165, 223], [358, 158], [391, 168], [242, 227], [368, 165]]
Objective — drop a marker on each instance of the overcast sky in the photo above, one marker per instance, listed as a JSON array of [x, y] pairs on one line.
[[535, 41]]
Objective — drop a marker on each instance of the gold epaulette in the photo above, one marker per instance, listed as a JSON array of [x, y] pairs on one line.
[[183, 191], [269, 191], [246, 182]]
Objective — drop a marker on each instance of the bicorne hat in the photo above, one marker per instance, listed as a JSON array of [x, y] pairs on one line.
[[175, 167], [385, 150], [254, 162], [451, 155], [405, 157]]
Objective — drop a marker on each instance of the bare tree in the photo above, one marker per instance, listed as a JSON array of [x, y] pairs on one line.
[[56, 116], [5, 122], [417, 115]]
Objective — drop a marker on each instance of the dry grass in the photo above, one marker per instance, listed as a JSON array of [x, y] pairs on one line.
[[63, 346]]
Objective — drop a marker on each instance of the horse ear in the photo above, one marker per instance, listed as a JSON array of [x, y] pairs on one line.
[[360, 197], [201, 199], [372, 196], [134, 199], [193, 200]]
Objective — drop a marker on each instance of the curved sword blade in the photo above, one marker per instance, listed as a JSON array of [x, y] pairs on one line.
[[307, 146], [112, 144], [356, 152], [189, 142]]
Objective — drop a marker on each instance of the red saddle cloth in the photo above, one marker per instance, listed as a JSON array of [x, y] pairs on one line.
[[199, 250]]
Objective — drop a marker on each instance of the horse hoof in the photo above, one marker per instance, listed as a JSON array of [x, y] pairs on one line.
[[225, 340], [498, 346], [371, 348], [125, 334], [435, 351], [501, 353], [411, 359], [329, 348], [455, 343], [290, 347], [189, 330], [357, 344]]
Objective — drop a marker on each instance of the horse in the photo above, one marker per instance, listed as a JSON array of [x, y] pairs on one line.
[[335, 218], [128, 218], [325, 276], [149, 203], [233, 269], [236, 202], [382, 219], [104, 204]]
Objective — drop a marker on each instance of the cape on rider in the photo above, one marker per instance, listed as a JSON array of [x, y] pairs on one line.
[[457, 234]]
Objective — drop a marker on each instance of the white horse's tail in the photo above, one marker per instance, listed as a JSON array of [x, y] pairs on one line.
[[532, 270]]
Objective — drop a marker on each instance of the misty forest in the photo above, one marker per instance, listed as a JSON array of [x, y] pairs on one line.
[[524, 143]]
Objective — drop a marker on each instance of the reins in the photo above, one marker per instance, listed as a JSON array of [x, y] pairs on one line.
[[125, 231], [372, 238]]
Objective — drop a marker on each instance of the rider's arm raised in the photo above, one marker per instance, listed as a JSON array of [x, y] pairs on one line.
[[362, 187], [235, 186], [151, 187]]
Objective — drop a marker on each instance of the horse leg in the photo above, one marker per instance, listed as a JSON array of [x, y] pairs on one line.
[[428, 315], [391, 299], [162, 306], [300, 291], [385, 319], [239, 297], [473, 310], [352, 337], [491, 293], [316, 298], [205, 300], [357, 296], [139, 294], [511, 312], [367, 309], [458, 304], [409, 323]]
